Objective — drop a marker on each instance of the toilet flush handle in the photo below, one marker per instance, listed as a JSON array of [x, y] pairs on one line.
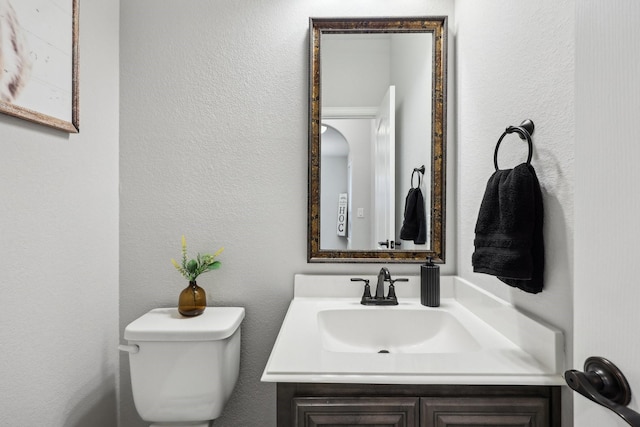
[[132, 349]]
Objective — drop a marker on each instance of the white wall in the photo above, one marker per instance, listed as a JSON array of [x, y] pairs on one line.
[[59, 250], [607, 199], [214, 146], [515, 61], [355, 70]]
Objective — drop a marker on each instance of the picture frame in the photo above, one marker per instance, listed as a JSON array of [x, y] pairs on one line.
[[39, 57]]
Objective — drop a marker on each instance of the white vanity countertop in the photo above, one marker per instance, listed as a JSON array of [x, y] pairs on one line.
[[513, 349]]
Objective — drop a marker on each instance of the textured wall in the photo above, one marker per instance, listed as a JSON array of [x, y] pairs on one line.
[[59, 250], [516, 61], [214, 146]]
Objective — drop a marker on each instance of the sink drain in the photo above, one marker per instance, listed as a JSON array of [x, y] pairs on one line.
[[383, 351]]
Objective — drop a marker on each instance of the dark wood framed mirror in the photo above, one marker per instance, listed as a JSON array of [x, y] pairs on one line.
[[377, 134]]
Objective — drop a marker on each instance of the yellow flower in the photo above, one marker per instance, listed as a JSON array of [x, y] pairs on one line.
[[218, 252]]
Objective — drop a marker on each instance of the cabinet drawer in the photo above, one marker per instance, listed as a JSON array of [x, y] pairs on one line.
[[363, 411], [481, 411]]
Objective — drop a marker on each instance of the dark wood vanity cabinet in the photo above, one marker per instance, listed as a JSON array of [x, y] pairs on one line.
[[333, 405]]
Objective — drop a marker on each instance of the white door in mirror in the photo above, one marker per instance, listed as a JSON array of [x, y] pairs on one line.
[[384, 170]]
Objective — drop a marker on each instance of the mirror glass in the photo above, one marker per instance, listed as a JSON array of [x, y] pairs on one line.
[[377, 139]]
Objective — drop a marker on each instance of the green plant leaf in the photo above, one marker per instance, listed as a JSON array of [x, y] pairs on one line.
[[192, 266], [214, 266]]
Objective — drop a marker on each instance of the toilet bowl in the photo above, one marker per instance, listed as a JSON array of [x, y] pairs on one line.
[[183, 369]]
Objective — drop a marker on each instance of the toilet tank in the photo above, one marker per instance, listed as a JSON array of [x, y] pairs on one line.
[[186, 367]]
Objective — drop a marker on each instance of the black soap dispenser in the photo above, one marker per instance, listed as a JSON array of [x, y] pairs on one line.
[[430, 284]]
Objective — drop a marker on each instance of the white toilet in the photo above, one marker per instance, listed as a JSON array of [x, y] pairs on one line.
[[183, 369]]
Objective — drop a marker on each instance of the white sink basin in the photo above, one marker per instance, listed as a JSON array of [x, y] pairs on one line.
[[327, 336], [393, 330]]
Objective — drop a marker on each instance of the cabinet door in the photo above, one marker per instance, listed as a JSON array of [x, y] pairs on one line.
[[365, 411], [480, 411]]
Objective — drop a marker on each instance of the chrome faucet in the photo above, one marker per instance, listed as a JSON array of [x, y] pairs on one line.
[[379, 298]]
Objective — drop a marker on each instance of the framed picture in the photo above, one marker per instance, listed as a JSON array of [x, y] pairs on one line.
[[39, 61]]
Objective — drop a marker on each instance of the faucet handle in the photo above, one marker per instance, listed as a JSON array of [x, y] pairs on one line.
[[367, 288], [392, 289]]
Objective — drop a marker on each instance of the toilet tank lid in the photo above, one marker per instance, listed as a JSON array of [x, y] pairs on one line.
[[167, 324]]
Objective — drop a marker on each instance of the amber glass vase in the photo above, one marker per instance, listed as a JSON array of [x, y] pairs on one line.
[[193, 300]]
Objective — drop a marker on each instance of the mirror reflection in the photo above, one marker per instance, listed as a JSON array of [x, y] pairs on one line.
[[377, 139]]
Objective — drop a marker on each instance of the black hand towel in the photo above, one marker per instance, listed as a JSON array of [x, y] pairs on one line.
[[509, 242], [414, 226]]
